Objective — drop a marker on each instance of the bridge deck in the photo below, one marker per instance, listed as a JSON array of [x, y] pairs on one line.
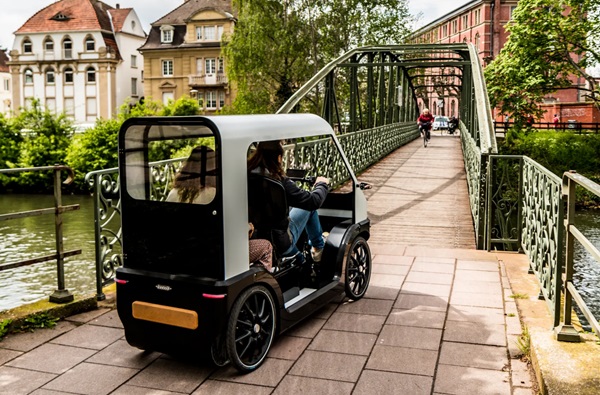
[[420, 196]]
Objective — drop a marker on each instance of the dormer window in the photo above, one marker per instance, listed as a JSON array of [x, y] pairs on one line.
[[209, 33], [27, 46], [60, 17], [166, 34], [90, 44]]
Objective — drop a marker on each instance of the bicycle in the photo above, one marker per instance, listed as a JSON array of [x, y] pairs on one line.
[[425, 131]]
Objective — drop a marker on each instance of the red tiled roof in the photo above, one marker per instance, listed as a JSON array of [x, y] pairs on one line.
[[80, 15], [118, 17]]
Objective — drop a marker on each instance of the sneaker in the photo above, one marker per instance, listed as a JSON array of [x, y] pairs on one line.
[[317, 253]]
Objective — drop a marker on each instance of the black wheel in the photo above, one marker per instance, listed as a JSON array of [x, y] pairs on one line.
[[358, 269], [218, 352], [251, 328], [425, 139]]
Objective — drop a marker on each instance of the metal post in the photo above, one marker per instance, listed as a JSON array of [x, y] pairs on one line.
[[98, 237], [566, 331], [61, 295]]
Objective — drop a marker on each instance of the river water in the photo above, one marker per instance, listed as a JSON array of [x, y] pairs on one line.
[[31, 237]]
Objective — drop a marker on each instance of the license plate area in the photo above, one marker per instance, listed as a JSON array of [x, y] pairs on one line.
[[165, 315]]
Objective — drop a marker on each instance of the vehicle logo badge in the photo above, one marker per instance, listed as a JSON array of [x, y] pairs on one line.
[[163, 287]]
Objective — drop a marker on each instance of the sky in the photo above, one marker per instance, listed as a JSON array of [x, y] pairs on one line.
[[15, 13]]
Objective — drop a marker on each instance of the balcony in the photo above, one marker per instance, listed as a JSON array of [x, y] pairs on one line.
[[216, 79]]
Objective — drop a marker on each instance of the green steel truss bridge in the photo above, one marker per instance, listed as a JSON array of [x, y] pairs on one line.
[[370, 96]]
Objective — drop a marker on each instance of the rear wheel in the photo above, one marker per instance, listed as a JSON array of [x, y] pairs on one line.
[[358, 269], [251, 328]]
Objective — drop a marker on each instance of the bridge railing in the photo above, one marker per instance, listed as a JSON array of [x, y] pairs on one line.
[[362, 148]]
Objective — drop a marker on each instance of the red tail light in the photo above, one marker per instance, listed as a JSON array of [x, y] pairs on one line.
[[212, 296], [118, 281]]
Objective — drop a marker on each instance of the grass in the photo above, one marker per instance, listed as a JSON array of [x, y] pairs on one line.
[[519, 296], [524, 344], [511, 314]]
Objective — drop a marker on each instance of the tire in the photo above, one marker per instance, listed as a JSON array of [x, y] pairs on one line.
[[425, 139], [218, 352], [251, 328], [358, 269]]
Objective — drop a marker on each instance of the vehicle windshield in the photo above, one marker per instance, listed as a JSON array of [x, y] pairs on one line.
[[441, 119]]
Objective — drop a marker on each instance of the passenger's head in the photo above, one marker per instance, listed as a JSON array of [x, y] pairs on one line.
[[425, 111], [268, 156]]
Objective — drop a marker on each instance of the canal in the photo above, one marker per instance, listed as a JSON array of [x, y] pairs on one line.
[[31, 237]]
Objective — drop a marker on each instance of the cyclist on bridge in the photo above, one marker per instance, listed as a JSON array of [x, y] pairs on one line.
[[424, 121]]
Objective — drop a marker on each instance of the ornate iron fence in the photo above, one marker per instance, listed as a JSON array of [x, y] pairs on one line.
[[362, 148]]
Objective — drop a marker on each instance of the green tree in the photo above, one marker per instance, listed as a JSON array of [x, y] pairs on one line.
[[550, 40], [279, 45], [182, 106], [10, 138]]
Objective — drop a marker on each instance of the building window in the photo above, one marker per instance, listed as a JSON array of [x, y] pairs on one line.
[[210, 65], [68, 74], [512, 10], [90, 44], [455, 26], [167, 68], [49, 45], [477, 16], [133, 61], [28, 76], [50, 76], [68, 48], [221, 99], [166, 34], [132, 25], [199, 62], [444, 30], [142, 75], [201, 99], [199, 33], [477, 42], [6, 85], [221, 67], [209, 33], [134, 87], [90, 75], [465, 22], [219, 32], [27, 46], [211, 100]]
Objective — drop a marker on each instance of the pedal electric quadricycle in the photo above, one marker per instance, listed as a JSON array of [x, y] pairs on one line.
[[187, 283]]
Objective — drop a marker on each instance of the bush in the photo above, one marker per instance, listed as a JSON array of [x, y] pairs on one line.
[[9, 151]]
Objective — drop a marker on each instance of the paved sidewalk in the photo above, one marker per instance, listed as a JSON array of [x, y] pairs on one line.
[[433, 321]]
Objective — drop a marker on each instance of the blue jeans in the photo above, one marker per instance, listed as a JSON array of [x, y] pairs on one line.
[[309, 220]]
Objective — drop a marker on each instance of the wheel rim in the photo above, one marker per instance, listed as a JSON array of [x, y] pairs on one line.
[[254, 329], [358, 269]]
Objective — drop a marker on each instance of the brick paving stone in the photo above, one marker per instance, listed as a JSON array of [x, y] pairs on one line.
[[41, 391], [82, 318], [418, 318], [520, 373], [343, 342], [135, 390], [426, 289], [171, 375], [386, 281], [393, 259], [121, 354], [367, 306], [481, 315], [269, 374], [524, 391], [296, 385], [477, 275], [431, 267], [307, 328], [410, 337], [288, 347], [15, 381], [429, 278], [381, 268], [440, 260], [464, 380], [90, 336], [7, 355], [474, 333], [214, 387], [110, 319], [378, 292], [326, 311], [91, 379], [489, 266], [373, 382], [403, 360], [355, 323], [409, 301], [473, 355], [27, 341], [477, 287], [326, 365], [51, 358], [476, 299]]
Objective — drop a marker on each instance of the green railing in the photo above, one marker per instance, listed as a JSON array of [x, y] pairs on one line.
[[362, 148]]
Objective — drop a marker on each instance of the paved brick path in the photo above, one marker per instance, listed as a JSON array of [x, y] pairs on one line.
[[434, 320]]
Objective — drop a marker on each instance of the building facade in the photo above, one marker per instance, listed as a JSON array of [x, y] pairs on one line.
[[5, 85], [78, 57], [482, 22], [182, 55]]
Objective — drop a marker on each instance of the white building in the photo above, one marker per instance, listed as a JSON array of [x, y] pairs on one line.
[[79, 57], [5, 85]]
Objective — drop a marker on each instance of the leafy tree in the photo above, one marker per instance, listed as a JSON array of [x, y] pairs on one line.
[[279, 45], [182, 106], [550, 41], [10, 139]]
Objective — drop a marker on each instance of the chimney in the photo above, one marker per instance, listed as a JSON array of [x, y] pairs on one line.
[[118, 6]]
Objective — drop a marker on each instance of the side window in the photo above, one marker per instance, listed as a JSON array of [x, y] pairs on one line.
[[27, 46], [90, 75], [90, 44], [168, 168]]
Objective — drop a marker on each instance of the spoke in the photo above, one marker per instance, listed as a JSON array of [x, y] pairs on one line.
[[249, 309], [261, 310], [244, 336], [241, 354], [247, 323], [265, 319]]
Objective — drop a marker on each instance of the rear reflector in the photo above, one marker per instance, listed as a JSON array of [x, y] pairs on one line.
[[121, 281], [211, 296]]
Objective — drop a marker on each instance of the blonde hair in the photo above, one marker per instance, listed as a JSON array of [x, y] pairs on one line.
[[425, 110]]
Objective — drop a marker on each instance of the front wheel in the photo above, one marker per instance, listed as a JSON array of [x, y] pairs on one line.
[[251, 328], [358, 269]]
